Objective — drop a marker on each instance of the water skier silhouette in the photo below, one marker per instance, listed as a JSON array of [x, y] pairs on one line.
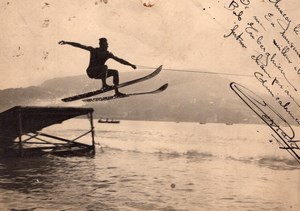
[[97, 68]]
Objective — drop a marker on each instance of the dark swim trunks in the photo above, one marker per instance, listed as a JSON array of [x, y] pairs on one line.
[[97, 72]]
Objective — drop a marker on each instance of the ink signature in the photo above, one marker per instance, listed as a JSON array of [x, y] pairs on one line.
[[285, 137]]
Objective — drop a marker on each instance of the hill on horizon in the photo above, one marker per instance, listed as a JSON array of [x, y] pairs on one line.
[[189, 97]]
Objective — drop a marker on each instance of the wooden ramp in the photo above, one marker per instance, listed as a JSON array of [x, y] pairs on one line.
[[21, 131]]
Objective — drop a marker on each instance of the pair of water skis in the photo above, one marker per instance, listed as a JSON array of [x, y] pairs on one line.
[[90, 96]]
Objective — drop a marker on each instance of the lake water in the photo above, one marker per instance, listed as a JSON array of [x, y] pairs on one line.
[[167, 166]]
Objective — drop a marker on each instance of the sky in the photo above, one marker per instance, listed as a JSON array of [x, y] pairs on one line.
[[172, 33], [178, 34]]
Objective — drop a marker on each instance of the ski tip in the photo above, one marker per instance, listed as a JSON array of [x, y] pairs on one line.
[[165, 86], [67, 99], [160, 67]]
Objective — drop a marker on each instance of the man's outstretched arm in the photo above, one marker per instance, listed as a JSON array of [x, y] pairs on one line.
[[122, 61], [75, 44]]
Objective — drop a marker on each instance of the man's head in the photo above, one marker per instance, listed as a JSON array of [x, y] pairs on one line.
[[103, 43]]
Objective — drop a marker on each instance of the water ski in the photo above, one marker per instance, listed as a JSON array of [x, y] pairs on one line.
[[160, 89], [97, 92]]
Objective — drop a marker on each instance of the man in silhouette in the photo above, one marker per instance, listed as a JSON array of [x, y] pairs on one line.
[[97, 68]]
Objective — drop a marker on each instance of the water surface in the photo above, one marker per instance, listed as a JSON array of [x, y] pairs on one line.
[[157, 166]]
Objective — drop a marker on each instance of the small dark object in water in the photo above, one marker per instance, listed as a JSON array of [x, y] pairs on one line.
[[173, 185]]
